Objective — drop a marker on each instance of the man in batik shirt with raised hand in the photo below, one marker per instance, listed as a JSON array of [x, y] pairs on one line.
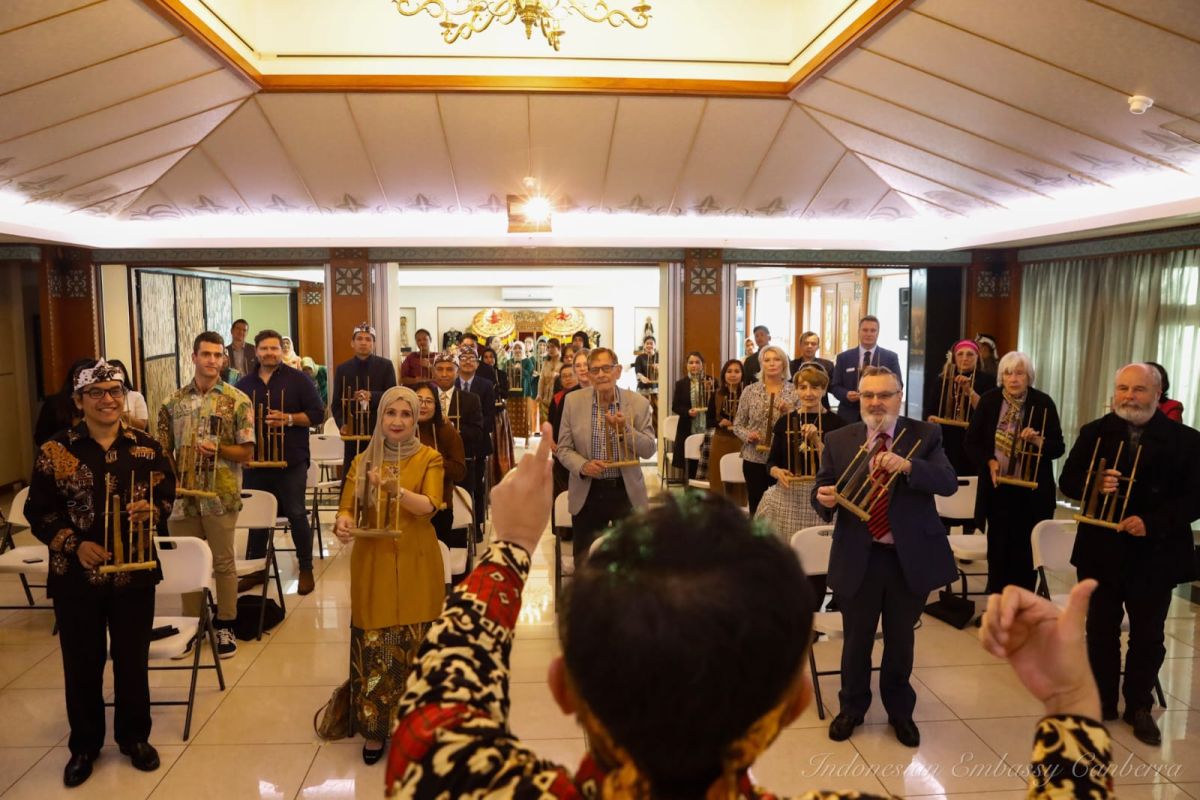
[[685, 640], [219, 420]]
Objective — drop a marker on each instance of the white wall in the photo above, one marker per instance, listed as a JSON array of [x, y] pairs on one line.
[[887, 308], [115, 317]]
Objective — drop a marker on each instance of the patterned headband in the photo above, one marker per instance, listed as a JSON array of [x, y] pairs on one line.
[[364, 327], [445, 357], [101, 372]]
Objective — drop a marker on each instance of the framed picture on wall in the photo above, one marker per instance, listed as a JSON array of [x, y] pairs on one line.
[[646, 320]]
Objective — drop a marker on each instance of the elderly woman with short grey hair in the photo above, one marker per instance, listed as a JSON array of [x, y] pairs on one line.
[[1009, 419]]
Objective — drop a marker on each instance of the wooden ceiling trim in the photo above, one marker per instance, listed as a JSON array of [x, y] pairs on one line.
[[89, 66], [133, 135], [1144, 21], [198, 31], [39, 21], [1058, 123], [914, 146], [974, 134], [869, 23]]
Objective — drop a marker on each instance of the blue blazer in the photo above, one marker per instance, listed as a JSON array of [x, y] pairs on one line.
[[845, 377], [921, 542]]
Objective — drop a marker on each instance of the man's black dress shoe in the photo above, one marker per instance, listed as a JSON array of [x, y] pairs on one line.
[[142, 755], [78, 769], [842, 726], [372, 755], [906, 732], [1145, 729]]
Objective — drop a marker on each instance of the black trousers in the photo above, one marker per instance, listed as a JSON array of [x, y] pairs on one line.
[[83, 619], [1147, 600], [607, 503], [1010, 539], [758, 480], [883, 592], [288, 486]]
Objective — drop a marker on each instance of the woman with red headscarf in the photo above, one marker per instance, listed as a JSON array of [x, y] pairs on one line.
[[963, 376]]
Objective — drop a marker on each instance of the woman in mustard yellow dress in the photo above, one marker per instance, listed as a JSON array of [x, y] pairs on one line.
[[396, 582]]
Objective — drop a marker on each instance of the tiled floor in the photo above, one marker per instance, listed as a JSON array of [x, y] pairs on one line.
[[255, 739]]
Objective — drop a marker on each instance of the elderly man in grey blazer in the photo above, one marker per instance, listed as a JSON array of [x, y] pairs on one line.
[[600, 494]]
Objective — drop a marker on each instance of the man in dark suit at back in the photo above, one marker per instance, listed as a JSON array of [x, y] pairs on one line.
[[893, 560], [242, 355], [810, 343], [843, 383], [463, 410], [470, 380]]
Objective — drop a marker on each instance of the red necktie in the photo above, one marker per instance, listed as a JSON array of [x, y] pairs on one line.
[[878, 523]]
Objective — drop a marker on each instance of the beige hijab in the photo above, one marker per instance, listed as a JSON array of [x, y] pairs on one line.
[[379, 451]]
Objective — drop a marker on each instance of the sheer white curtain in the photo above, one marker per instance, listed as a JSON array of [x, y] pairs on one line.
[[1082, 319]]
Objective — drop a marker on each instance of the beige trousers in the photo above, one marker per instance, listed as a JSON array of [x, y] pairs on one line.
[[218, 532]]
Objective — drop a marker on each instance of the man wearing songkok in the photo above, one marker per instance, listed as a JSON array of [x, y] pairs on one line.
[[1139, 563], [364, 378], [684, 642], [76, 474]]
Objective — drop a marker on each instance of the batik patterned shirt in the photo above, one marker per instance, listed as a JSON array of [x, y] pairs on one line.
[[453, 738], [189, 410], [72, 479]]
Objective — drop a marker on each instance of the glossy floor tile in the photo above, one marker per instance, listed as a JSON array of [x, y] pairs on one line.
[[255, 739]]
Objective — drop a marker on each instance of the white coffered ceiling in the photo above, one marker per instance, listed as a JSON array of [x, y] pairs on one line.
[[955, 124]]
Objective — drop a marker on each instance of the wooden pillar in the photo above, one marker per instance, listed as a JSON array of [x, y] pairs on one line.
[[310, 320], [70, 315], [993, 297], [350, 300], [703, 296]]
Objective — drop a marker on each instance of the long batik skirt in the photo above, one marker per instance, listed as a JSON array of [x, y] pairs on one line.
[[380, 660]]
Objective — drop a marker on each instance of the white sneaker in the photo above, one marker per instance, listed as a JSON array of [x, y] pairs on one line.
[[226, 643]]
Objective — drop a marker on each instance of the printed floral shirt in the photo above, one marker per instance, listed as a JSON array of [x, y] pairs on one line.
[[453, 739], [229, 411], [68, 494]]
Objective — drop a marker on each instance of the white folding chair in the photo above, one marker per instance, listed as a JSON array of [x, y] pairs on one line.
[[1053, 542], [16, 519], [959, 508], [325, 453], [186, 564], [464, 520], [560, 521], [26, 561], [691, 452], [733, 476], [259, 510], [669, 432], [330, 428], [813, 546]]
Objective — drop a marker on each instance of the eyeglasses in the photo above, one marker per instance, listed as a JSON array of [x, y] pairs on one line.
[[869, 396], [601, 369], [427, 401], [96, 393]]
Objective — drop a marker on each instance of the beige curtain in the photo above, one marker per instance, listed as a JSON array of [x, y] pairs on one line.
[[1082, 319]]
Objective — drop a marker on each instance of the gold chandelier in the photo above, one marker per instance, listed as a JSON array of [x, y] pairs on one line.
[[476, 16]]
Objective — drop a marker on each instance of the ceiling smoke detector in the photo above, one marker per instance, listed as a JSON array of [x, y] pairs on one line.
[[1139, 104]]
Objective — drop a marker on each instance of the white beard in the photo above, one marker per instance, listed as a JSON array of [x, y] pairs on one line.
[[1135, 415], [881, 423]]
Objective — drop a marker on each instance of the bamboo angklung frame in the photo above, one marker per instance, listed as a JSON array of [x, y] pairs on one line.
[[954, 401], [361, 509], [619, 438], [1097, 507], [764, 444], [139, 536], [803, 459], [355, 413], [858, 488], [268, 440], [733, 395], [198, 472], [1024, 458], [708, 383]]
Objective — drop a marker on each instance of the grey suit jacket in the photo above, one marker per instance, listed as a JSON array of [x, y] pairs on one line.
[[575, 444], [921, 543]]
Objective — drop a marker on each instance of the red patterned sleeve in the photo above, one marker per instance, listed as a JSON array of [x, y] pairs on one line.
[[452, 738]]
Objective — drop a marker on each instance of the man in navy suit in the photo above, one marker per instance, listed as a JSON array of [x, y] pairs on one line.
[[850, 364], [893, 560]]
